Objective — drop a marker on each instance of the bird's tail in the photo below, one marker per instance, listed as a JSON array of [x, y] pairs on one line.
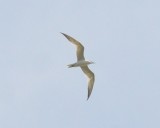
[[70, 65]]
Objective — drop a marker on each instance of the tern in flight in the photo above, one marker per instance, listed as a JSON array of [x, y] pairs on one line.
[[82, 63]]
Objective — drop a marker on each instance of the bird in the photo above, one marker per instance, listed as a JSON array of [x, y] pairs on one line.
[[82, 63]]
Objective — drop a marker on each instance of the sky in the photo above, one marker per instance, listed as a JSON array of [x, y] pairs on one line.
[[37, 90]]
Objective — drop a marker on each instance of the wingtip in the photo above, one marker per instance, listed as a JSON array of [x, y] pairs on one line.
[[89, 92], [64, 34], [88, 96]]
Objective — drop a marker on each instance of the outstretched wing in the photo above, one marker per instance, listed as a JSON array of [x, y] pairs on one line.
[[80, 48], [91, 79]]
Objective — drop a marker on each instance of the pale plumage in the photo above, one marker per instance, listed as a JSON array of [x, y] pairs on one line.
[[81, 62]]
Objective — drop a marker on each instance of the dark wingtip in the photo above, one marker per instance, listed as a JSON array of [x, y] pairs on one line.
[[88, 96], [89, 92], [63, 33]]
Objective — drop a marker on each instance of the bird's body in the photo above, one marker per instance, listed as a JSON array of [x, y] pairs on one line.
[[82, 63]]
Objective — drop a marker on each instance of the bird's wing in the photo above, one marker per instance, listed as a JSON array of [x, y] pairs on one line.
[[91, 78], [80, 48]]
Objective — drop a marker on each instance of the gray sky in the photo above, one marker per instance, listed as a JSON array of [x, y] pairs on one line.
[[37, 90]]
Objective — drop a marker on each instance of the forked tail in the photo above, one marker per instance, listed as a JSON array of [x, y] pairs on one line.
[[70, 65]]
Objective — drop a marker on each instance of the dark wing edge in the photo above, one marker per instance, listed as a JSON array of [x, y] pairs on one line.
[[91, 79], [71, 39], [80, 47], [90, 87]]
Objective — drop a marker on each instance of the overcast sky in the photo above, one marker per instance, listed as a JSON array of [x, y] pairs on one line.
[[37, 90]]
